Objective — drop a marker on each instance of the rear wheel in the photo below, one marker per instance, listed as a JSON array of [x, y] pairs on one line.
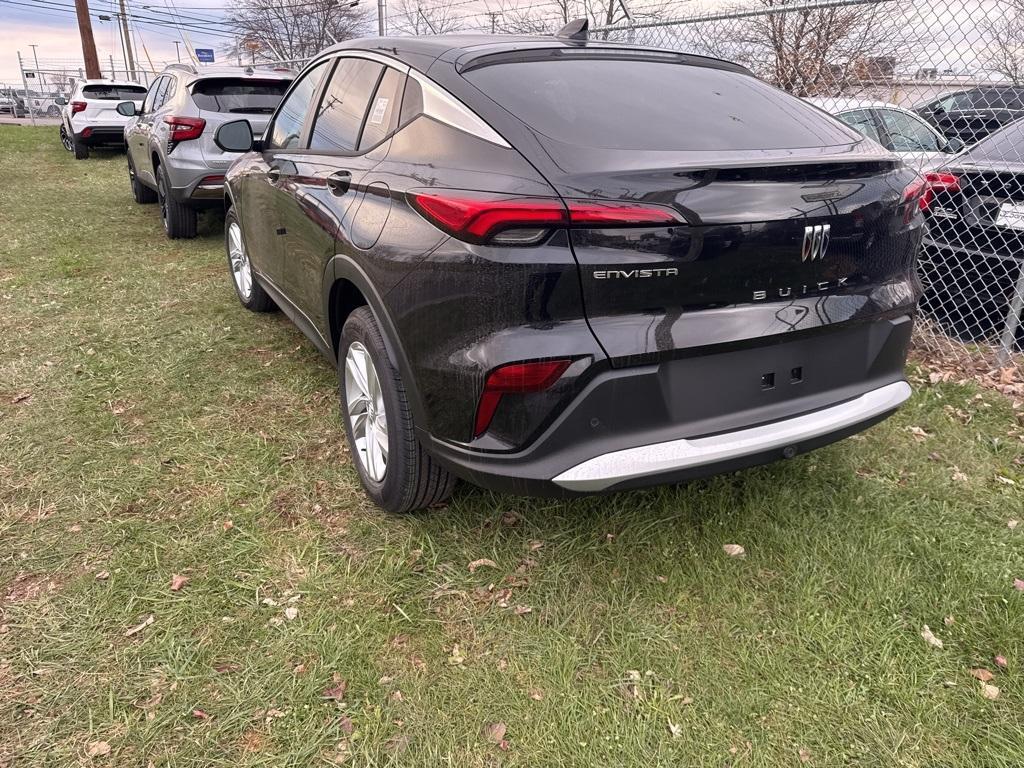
[[142, 194], [65, 139], [249, 291], [179, 220], [81, 150], [397, 474]]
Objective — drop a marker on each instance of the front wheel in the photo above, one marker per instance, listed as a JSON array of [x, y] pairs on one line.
[[66, 140], [397, 474]]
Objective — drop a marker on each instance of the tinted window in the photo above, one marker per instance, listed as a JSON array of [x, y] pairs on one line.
[[147, 106], [616, 104], [861, 120], [907, 133], [287, 127], [224, 94], [1005, 145], [996, 98], [382, 116], [953, 102], [343, 106], [114, 92]]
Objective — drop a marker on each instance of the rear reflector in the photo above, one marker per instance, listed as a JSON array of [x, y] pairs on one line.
[[86, 133], [516, 377], [478, 217], [78, 106], [211, 181], [184, 128]]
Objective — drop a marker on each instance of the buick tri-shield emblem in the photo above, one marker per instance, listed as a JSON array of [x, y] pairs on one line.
[[815, 242]]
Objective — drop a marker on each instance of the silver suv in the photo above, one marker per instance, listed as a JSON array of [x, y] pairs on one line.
[[172, 158]]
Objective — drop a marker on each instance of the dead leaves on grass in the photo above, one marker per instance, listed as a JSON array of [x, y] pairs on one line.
[[930, 638], [141, 626], [178, 581], [483, 562], [734, 550], [97, 748], [336, 690]]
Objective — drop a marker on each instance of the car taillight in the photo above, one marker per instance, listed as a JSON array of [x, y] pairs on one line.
[[515, 378], [924, 187], [509, 220], [184, 128], [78, 106]]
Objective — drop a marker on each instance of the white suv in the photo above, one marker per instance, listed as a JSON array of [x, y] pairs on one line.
[[91, 118]]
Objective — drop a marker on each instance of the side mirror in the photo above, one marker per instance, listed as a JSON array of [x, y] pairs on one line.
[[60, 101], [235, 136], [954, 145], [127, 108]]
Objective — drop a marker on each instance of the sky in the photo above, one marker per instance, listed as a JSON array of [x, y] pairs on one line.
[[51, 25]]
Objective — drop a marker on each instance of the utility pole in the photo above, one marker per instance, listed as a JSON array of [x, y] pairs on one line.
[[382, 12], [494, 20], [127, 41], [92, 62], [177, 50]]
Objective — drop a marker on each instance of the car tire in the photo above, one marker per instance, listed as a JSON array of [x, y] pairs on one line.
[[410, 478], [81, 150], [248, 289], [66, 140], [142, 194], [179, 220]]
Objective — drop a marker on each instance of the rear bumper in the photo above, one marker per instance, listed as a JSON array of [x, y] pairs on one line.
[[700, 416], [101, 135]]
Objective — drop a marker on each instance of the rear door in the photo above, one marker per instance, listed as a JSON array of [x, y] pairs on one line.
[[142, 130], [785, 218], [325, 204]]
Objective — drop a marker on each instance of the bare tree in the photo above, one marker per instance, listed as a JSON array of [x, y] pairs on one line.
[[550, 16], [294, 29], [1004, 52], [822, 51], [411, 17]]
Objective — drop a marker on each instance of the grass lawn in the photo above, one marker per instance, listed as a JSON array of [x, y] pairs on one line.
[[151, 428]]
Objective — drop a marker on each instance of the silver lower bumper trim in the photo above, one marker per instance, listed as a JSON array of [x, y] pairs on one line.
[[602, 472]]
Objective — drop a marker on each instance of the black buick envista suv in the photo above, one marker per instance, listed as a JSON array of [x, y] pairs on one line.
[[555, 266]]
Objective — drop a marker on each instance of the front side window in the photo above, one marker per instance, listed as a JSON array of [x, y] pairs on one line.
[[340, 116], [954, 102], [907, 133], [151, 96], [861, 120], [286, 131]]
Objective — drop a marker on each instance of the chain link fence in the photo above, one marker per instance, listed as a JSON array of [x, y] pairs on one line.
[[940, 82]]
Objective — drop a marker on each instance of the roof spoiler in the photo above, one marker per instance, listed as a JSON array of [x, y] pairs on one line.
[[577, 29]]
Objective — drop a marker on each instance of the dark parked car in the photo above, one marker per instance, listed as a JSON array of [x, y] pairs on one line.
[[974, 249], [973, 114], [552, 266]]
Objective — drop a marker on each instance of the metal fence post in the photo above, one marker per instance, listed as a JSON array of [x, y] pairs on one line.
[[24, 85], [1009, 337]]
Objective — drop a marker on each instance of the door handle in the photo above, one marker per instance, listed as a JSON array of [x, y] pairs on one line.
[[339, 182], [273, 173]]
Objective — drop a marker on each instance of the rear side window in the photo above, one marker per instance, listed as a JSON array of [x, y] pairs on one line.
[[344, 104], [232, 94], [861, 120], [382, 116], [114, 92], [648, 105]]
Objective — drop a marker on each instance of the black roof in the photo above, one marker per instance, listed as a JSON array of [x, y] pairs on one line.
[[414, 51]]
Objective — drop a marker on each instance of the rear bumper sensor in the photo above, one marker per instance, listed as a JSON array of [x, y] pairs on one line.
[[610, 469]]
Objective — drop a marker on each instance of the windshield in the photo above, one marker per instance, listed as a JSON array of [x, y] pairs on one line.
[[114, 92], [239, 95], [654, 105]]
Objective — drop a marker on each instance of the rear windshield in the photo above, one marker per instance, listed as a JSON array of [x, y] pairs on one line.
[[1003, 145], [226, 94], [649, 105], [114, 92]]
